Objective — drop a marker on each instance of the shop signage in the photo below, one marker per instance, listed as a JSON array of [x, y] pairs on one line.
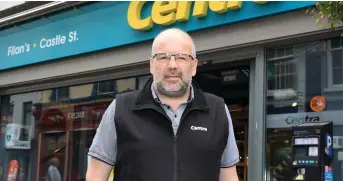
[[80, 117], [318, 103], [328, 143], [301, 120], [290, 120], [105, 25], [76, 115], [167, 13], [235, 76]]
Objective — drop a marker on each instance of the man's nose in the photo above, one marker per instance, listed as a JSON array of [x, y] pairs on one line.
[[172, 63]]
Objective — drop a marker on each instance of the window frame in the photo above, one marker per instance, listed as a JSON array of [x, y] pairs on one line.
[[285, 57], [105, 93], [330, 66], [25, 111], [290, 58], [60, 98]]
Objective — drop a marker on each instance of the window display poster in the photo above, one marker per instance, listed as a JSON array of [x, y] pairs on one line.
[[13, 137], [328, 175], [13, 170]]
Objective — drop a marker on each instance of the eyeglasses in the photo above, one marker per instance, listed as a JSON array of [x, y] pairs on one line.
[[179, 58]]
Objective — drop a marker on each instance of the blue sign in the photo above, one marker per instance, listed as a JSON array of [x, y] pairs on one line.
[[328, 173], [104, 25], [328, 144]]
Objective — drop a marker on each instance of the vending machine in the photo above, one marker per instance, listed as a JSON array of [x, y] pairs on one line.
[[312, 152]]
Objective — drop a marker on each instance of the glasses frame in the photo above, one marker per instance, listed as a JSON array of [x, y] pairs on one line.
[[169, 55]]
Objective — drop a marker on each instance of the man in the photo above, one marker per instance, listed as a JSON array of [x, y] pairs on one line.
[[170, 130], [53, 172]]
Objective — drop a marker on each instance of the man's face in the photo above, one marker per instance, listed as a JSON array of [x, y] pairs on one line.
[[173, 74]]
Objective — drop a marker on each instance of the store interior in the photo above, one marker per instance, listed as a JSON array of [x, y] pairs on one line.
[[232, 84]]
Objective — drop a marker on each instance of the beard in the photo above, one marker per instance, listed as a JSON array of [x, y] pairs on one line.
[[177, 91]]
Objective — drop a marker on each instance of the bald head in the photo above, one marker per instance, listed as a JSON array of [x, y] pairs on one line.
[[54, 161], [172, 35]]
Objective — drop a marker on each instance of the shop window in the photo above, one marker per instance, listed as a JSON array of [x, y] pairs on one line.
[[279, 156], [6, 113], [45, 96], [60, 130], [63, 93], [18, 145], [282, 76], [126, 85], [142, 81], [27, 114], [52, 148], [298, 92], [335, 61], [27, 109], [273, 53], [282, 69], [81, 91], [106, 87]]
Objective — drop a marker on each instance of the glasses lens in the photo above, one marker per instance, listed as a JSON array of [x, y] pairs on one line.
[[182, 57], [162, 56]]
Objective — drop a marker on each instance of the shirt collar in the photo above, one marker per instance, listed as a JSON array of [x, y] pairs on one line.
[[155, 96]]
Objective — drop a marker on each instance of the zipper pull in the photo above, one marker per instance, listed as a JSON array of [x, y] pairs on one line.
[[175, 138], [181, 166]]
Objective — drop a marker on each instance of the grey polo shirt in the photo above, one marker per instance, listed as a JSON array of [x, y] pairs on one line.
[[104, 145]]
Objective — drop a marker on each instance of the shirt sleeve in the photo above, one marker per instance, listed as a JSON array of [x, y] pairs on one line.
[[230, 155], [104, 145]]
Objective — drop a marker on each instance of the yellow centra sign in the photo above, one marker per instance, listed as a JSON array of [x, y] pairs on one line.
[[168, 12]]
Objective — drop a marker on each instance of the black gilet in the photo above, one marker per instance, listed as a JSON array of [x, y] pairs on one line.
[[148, 149]]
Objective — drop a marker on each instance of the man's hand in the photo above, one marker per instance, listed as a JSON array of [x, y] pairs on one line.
[[228, 174], [98, 170]]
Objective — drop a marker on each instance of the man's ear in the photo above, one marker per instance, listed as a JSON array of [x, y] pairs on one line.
[[152, 66], [195, 66]]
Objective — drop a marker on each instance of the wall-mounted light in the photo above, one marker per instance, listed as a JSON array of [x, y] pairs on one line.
[[294, 104]]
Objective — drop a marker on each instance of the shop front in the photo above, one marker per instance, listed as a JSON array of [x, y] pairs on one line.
[[304, 85], [64, 127], [59, 74]]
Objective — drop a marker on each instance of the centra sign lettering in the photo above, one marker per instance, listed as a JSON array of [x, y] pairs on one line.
[[168, 12], [301, 120]]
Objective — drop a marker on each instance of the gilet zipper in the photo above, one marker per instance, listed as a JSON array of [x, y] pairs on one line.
[[175, 158]]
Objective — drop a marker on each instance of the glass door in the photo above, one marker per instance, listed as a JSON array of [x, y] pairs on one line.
[[53, 154], [240, 123], [231, 82], [81, 142]]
